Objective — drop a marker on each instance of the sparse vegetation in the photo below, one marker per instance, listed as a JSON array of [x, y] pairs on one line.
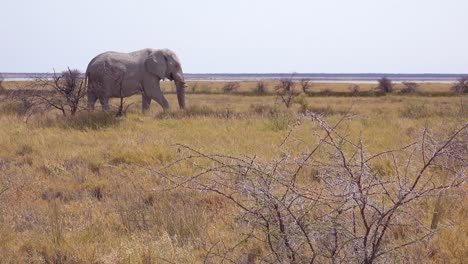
[[94, 189], [342, 89]]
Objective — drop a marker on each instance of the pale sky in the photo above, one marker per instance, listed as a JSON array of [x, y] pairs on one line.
[[242, 36]]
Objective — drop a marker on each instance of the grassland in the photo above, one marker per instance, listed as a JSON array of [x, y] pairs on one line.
[[84, 189]]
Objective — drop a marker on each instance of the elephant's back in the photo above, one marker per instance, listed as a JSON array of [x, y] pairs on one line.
[[113, 58], [110, 59]]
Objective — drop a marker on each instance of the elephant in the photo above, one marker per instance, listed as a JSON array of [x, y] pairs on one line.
[[116, 74]]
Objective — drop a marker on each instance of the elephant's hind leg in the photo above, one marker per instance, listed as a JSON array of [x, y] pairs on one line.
[[104, 103], [107, 85], [92, 98]]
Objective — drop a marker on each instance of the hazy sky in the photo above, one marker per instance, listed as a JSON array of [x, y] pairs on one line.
[[248, 36]]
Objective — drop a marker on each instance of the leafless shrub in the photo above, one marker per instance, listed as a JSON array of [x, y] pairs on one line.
[[410, 87], [260, 88], [71, 87], [287, 84], [231, 87], [354, 88], [306, 84], [285, 91], [333, 202], [461, 86], [62, 92], [385, 85], [123, 108]]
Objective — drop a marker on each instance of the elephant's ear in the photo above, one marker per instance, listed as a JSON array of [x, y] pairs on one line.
[[157, 65]]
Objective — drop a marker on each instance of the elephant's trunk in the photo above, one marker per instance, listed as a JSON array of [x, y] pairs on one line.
[[180, 88], [178, 78]]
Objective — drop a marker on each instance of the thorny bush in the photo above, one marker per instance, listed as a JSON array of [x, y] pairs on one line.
[[63, 92], [331, 203]]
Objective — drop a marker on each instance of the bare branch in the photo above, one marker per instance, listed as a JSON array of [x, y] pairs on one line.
[[345, 212]]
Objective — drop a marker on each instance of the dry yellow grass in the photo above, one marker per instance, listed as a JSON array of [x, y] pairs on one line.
[[72, 191], [317, 86]]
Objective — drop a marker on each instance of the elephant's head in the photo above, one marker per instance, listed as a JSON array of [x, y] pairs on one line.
[[165, 64]]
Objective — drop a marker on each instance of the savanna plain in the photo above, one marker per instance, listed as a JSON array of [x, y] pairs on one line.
[[336, 176]]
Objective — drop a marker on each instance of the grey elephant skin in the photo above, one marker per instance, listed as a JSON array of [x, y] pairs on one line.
[[116, 74]]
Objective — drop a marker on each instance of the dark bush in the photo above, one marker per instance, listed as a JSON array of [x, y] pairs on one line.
[[260, 88], [306, 85], [385, 85], [285, 91], [461, 86], [231, 87], [410, 87], [354, 88]]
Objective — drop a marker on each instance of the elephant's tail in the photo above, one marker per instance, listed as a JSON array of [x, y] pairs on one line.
[[89, 81], [86, 81]]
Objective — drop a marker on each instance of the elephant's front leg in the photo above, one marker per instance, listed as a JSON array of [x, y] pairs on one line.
[[145, 102], [151, 89]]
